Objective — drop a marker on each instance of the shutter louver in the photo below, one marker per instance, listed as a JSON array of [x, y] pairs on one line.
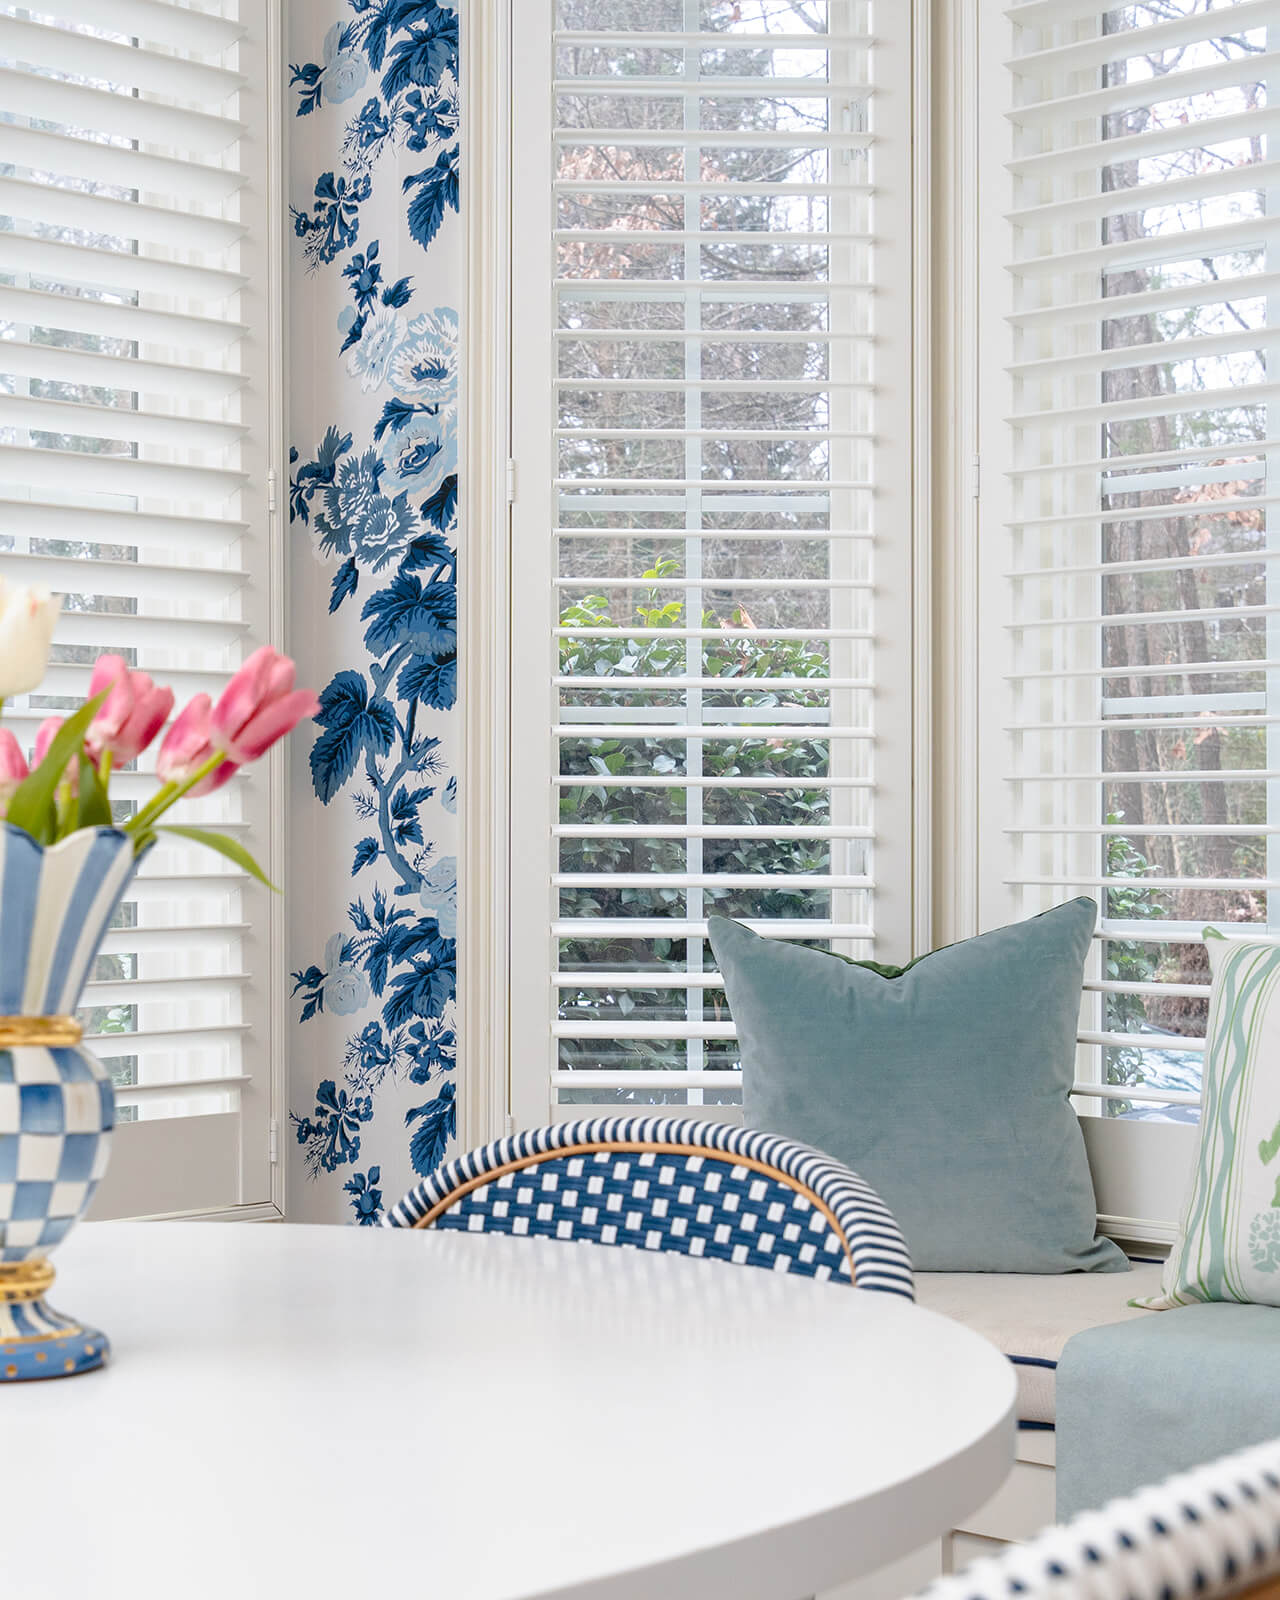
[[1140, 425], [717, 569], [133, 458]]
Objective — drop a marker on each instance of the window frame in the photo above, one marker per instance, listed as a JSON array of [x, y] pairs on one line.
[[903, 928], [181, 1166], [1140, 1168]]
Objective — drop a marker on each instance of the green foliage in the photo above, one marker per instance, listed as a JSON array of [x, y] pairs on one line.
[[737, 660], [32, 805]]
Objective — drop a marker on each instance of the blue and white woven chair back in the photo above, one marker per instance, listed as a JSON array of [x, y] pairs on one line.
[[699, 1188], [1206, 1534]]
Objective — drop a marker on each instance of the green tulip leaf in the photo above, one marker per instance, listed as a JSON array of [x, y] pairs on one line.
[[31, 806], [95, 808]]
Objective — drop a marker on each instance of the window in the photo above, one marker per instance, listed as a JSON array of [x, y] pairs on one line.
[[712, 523], [135, 442], [1129, 536]]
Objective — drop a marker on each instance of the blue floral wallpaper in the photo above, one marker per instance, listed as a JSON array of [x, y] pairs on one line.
[[374, 282]]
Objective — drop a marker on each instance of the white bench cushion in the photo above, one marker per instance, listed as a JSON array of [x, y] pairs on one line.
[[1031, 1318]]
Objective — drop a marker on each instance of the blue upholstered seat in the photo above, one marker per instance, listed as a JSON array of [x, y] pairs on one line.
[[1201, 1535], [659, 1183]]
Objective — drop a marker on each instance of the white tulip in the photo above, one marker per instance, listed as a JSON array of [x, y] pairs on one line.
[[27, 619]]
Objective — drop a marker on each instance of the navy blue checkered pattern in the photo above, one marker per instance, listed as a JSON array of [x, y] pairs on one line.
[[658, 1201], [602, 1182], [50, 1167]]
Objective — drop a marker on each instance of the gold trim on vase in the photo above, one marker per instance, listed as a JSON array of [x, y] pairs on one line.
[[47, 1032], [25, 1280]]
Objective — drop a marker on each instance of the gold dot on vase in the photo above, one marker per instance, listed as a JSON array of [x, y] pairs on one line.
[[11, 1371], [40, 1356], [88, 1350], [68, 1366]]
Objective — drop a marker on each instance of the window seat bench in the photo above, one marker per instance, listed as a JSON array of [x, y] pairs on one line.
[[1137, 1396], [1031, 1318]]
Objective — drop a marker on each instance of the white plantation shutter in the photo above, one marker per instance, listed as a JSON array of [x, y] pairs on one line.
[[712, 521], [1130, 431], [135, 439]]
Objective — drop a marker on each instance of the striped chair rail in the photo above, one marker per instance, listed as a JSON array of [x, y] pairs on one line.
[[654, 1183]]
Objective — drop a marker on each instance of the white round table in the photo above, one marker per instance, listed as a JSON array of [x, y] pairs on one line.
[[346, 1412]]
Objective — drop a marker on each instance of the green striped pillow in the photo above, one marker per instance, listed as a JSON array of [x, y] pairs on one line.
[[1229, 1241]]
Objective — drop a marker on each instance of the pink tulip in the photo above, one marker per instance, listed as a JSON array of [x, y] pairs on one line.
[[13, 767], [259, 706], [188, 746], [131, 715], [44, 738]]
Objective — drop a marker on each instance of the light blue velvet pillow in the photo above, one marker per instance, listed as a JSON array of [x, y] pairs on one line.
[[945, 1084]]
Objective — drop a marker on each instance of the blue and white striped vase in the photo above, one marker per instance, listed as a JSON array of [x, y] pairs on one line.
[[57, 1106]]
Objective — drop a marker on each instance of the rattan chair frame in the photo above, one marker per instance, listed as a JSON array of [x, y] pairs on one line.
[[868, 1236]]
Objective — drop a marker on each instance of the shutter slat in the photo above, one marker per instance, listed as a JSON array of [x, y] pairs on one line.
[[1146, 619], [1156, 90], [122, 166], [96, 213], [68, 365], [711, 580], [736, 731], [1216, 775], [709, 88], [67, 575], [188, 27], [1184, 244], [117, 422], [709, 880], [1162, 513], [1139, 355], [1177, 669], [689, 830], [737, 39], [71, 472], [1105, 569], [1125, 43], [98, 268], [775, 780], [76, 105], [744, 684], [66, 50], [1121, 722], [1157, 405], [1254, 175], [40, 309], [107, 630], [707, 139], [676, 928], [1096, 154], [1180, 296], [132, 990]]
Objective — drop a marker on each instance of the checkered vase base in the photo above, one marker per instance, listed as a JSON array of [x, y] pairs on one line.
[[57, 1347]]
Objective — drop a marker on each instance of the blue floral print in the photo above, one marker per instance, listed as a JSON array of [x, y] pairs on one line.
[[331, 1136], [333, 222], [366, 1197], [380, 511], [413, 46]]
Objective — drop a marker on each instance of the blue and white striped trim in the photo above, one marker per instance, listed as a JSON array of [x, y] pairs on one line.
[[1202, 1535], [870, 1236], [58, 903]]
